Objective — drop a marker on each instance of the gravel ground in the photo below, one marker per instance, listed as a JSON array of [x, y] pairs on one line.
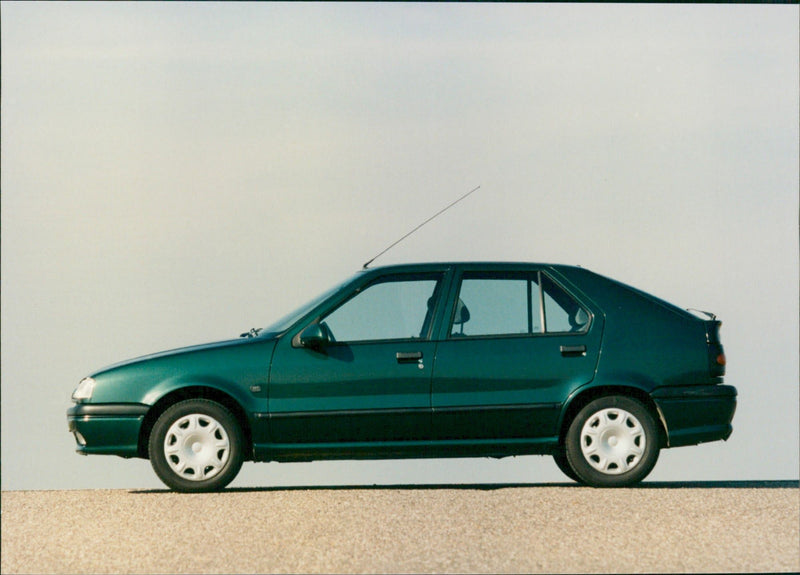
[[740, 527]]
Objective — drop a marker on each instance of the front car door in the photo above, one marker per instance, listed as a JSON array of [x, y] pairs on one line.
[[371, 381], [517, 341]]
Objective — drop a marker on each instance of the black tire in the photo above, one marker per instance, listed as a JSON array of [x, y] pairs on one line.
[[560, 457], [196, 446], [612, 442]]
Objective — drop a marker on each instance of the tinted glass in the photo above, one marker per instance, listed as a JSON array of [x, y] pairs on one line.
[[393, 309], [286, 321], [563, 314], [497, 306]]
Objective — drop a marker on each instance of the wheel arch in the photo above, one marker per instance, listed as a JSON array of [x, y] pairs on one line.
[[586, 396], [195, 392]]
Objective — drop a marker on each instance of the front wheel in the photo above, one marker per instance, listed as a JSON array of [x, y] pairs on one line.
[[196, 446], [612, 442]]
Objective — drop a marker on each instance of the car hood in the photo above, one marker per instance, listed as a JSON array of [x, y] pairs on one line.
[[183, 351]]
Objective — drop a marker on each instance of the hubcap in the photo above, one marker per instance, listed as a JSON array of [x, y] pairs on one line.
[[196, 447], [613, 441]]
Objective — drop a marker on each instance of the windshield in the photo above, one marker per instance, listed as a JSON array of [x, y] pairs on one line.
[[289, 319]]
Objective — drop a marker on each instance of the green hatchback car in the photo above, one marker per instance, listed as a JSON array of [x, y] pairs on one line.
[[427, 360]]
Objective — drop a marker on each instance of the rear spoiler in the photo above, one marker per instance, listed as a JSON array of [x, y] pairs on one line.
[[698, 312]]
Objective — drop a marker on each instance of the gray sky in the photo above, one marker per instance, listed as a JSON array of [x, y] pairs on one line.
[[179, 173]]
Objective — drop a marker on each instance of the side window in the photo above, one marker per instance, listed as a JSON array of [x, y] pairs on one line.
[[562, 313], [393, 308], [497, 306], [514, 304]]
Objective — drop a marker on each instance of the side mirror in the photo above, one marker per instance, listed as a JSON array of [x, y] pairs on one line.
[[313, 337]]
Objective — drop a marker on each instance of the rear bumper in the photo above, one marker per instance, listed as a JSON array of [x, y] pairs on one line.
[[107, 429], [696, 414]]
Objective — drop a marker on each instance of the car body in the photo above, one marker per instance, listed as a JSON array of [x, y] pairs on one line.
[[460, 359]]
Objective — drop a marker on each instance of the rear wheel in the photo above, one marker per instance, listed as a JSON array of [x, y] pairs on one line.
[[612, 442], [560, 457], [196, 445]]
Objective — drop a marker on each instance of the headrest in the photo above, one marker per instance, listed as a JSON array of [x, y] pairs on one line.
[[462, 313], [581, 318]]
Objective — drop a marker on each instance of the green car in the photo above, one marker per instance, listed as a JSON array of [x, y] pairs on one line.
[[427, 360]]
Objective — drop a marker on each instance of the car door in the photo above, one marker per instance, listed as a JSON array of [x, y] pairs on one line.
[[370, 380], [517, 343]]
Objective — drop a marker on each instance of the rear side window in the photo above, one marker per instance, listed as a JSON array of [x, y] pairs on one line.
[[562, 312], [491, 304]]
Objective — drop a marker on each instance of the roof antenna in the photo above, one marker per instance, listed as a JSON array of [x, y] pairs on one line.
[[422, 224]]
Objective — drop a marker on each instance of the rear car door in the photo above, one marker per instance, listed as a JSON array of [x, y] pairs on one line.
[[517, 342]]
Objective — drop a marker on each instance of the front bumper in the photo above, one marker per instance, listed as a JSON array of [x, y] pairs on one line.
[[696, 413], [107, 429]]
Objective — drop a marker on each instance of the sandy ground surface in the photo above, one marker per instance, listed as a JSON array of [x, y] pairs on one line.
[[703, 527]]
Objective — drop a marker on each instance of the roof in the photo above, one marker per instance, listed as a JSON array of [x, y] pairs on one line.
[[421, 266]]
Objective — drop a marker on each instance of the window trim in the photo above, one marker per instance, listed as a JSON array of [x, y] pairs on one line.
[[542, 313]]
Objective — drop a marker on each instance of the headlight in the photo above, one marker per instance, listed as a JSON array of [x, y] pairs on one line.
[[84, 390]]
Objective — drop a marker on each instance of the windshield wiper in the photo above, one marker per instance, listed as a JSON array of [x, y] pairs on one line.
[[252, 333]]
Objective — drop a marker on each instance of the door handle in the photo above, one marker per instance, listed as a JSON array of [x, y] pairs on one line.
[[573, 350], [408, 356]]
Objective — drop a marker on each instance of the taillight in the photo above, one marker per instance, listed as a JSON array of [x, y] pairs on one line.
[[716, 360], [716, 353]]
